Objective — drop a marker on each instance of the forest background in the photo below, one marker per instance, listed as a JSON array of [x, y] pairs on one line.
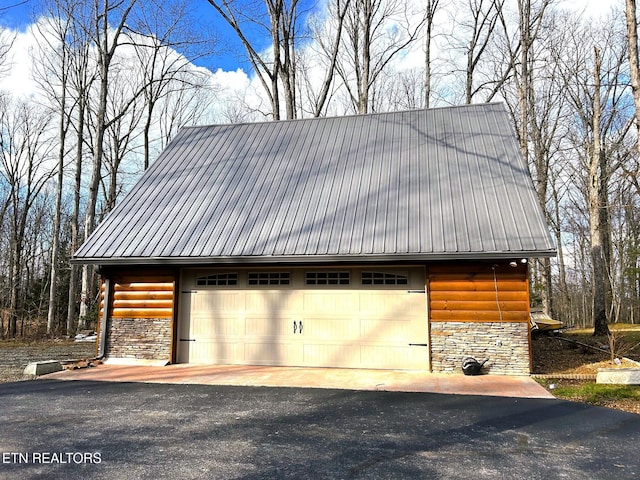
[[91, 91]]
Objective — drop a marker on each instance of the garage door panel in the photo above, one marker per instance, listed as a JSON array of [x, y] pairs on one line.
[[332, 355], [319, 302], [390, 303], [265, 326], [269, 353], [396, 331], [355, 326], [272, 301], [213, 302], [217, 326], [328, 328]]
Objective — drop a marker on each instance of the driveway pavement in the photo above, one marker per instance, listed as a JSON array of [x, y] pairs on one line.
[[114, 430], [340, 378]]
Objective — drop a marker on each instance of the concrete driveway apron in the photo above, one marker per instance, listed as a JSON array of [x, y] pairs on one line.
[[351, 379]]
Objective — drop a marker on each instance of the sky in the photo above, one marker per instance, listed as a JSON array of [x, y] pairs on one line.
[[17, 15], [229, 66]]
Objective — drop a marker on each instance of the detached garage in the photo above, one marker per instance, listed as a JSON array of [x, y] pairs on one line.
[[388, 241]]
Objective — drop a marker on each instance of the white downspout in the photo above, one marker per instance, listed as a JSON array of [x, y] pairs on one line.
[[102, 340]]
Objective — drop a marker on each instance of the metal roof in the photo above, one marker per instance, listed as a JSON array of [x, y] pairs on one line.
[[426, 184]]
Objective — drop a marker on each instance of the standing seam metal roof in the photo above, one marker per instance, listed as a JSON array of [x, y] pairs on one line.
[[438, 183]]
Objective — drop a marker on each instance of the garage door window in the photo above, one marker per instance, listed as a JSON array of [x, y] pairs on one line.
[[217, 279], [269, 278], [383, 278], [327, 278]]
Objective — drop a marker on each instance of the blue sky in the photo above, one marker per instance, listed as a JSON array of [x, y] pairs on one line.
[[18, 14]]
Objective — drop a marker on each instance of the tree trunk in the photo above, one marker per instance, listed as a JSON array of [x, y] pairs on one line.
[[275, 74], [634, 71], [324, 91], [13, 295], [92, 200], [562, 274], [432, 5], [75, 221], [363, 89], [147, 128], [595, 226], [55, 244], [524, 12]]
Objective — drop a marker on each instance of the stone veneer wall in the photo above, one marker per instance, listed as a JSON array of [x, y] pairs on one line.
[[140, 338], [506, 344]]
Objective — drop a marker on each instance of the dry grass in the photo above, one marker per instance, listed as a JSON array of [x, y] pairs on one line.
[[557, 360], [16, 354]]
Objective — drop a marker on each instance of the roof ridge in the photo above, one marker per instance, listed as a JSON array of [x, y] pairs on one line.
[[351, 115]]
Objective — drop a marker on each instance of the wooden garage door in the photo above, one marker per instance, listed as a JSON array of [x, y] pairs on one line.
[[354, 318]]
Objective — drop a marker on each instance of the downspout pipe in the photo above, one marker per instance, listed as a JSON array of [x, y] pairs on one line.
[[102, 339]]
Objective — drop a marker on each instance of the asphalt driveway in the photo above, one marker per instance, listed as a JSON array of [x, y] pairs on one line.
[[73, 430]]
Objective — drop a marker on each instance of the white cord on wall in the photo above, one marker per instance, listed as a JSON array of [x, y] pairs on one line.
[[495, 286]]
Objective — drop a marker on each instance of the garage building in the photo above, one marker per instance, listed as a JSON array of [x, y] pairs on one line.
[[388, 241]]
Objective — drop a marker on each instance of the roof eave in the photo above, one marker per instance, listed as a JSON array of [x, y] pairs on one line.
[[314, 259]]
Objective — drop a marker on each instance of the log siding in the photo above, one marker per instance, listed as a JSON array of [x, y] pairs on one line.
[[471, 292], [479, 309], [150, 297], [140, 323]]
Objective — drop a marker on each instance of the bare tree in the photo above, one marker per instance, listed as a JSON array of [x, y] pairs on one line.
[[82, 75], [106, 40], [160, 32], [327, 33], [24, 152], [597, 132], [539, 114], [280, 20], [185, 106], [6, 42], [376, 32], [474, 28], [52, 73], [595, 224], [533, 88], [122, 134], [431, 10], [634, 68]]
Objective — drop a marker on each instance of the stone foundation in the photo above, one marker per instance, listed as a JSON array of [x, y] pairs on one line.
[[505, 344], [141, 338]]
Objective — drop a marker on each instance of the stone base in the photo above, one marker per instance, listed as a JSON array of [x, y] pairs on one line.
[[619, 376], [505, 344], [42, 368]]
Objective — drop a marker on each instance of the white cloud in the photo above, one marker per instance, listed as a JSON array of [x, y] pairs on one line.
[[18, 80], [590, 8], [238, 85]]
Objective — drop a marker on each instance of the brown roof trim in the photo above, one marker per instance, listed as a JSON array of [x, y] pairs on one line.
[[312, 259]]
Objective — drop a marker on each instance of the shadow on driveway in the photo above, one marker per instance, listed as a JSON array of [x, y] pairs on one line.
[[135, 430]]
